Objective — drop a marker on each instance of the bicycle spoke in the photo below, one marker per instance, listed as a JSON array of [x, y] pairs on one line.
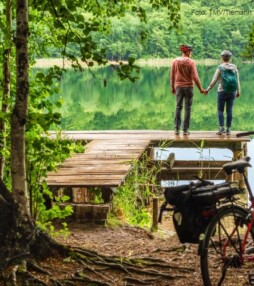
[[222, 260]]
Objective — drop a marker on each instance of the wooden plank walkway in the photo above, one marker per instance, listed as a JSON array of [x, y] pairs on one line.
[[104, 163], [109, 154], [152, 135]]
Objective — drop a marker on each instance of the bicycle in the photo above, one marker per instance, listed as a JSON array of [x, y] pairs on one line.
[[220, 224], [226, 248]]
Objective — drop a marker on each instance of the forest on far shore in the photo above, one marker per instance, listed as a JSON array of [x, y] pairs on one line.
[[210, 26]]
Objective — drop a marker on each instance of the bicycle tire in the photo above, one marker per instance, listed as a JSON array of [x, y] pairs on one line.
[[215, 269]]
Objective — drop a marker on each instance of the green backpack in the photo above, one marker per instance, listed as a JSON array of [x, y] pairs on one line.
[[229, 79]]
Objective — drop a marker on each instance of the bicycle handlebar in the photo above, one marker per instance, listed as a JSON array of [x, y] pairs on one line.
[[245, 133]]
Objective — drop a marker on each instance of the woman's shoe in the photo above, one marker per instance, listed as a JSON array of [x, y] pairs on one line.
[[221, 131]]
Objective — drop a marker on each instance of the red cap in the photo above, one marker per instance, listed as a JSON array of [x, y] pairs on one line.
[[185, 48]]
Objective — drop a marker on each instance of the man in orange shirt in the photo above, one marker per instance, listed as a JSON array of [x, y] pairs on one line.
[[182, 78]]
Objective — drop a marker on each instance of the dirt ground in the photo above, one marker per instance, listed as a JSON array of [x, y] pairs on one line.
[[130, 242]]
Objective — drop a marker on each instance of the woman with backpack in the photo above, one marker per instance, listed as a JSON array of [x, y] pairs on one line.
[[228, 89]]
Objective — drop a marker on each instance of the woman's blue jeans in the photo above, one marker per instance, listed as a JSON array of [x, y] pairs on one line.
[[225, 99]]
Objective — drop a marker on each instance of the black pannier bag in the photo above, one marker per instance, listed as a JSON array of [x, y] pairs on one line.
[[189, 218], [190, 221], [194, 207]]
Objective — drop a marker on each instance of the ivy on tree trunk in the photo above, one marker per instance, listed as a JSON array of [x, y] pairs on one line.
[[6, 83]]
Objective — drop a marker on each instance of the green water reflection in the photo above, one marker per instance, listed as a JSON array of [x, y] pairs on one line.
[[146, 104]]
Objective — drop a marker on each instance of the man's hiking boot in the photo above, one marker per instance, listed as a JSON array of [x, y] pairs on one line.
[[186, 132], [177, 131], [228, 131], [221, 131]]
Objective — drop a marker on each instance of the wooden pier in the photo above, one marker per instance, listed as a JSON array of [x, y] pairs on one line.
[[109, 155], [105, 163]]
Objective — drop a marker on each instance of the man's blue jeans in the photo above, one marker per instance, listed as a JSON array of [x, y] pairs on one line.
[[225, 99], [183, 95]]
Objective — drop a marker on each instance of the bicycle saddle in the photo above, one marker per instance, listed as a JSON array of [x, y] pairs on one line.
[[238, 165]]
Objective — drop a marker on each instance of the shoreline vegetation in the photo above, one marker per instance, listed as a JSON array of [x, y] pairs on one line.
[[47, 63]]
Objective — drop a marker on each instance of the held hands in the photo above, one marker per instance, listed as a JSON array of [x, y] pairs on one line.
[[204, 91], [173, 90], [238, 94]]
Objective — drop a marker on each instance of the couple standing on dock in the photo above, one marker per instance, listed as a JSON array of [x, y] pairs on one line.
[[182, 78]]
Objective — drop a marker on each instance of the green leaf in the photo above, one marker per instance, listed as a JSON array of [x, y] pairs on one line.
[[67, 260]]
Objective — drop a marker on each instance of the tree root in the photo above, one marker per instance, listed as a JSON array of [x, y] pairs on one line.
[[138, 281], [180, 248], [92, 281], [97, 272], [35, 267], [92, 267], [32, 278], [155, 262]]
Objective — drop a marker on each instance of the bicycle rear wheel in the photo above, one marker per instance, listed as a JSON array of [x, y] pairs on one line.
[[222, 262]]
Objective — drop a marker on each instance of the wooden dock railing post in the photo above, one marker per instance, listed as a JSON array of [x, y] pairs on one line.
[[155, 214], [239, 152]]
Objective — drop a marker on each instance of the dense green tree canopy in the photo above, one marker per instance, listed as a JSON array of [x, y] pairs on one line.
[[207, 25]]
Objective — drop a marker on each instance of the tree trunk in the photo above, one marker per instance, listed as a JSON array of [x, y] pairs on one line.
[[19, 115], [17, 231], [6, 83]]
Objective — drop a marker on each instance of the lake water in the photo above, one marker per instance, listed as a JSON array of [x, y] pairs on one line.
[[149, 104]]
